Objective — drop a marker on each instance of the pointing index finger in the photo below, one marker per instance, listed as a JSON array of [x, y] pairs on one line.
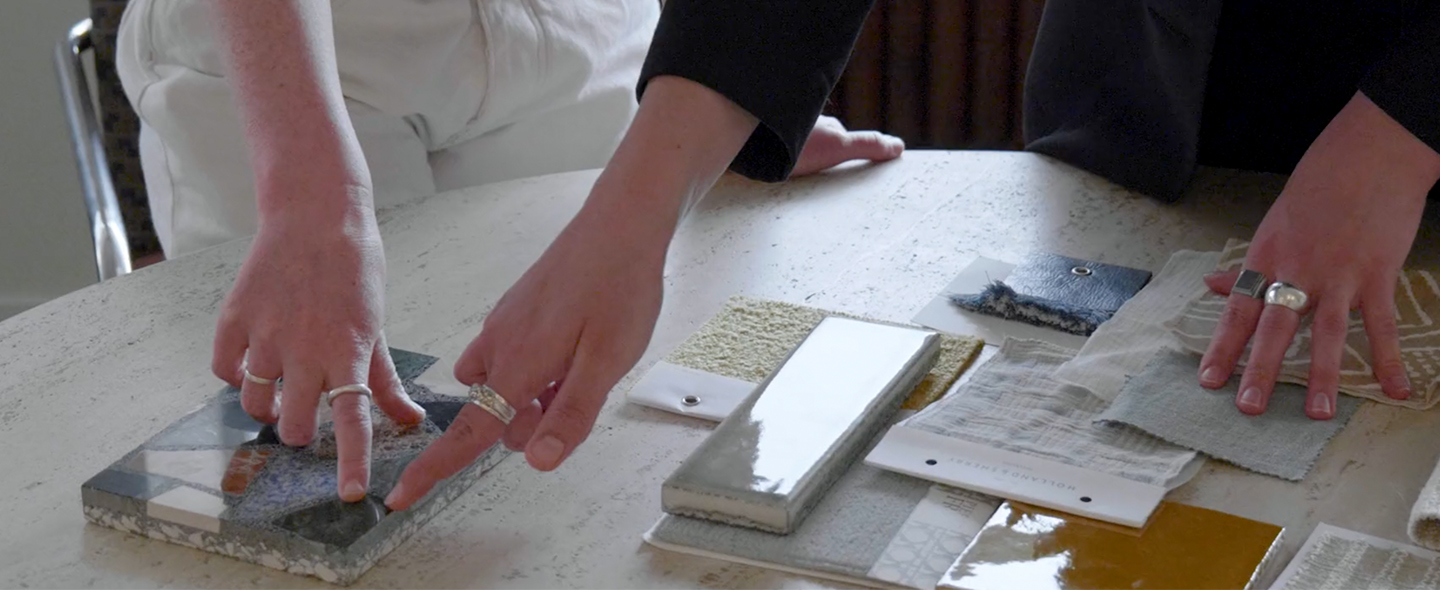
[[472, 433]]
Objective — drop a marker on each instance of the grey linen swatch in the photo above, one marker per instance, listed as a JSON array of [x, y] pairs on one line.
[[1014, 403], [1166, 400]]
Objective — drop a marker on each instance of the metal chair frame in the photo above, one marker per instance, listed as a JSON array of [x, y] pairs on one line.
[[107, 227]]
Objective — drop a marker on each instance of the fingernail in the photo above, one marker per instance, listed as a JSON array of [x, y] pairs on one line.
[[395, 494], [353, 492], [1212, 376], [1401, 386], [547, 451], [1250, 399], [1320, 407]]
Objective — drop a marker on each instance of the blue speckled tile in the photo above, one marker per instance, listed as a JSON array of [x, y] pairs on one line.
[[234, 489]]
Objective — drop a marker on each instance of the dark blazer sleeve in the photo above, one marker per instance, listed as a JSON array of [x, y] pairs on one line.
[[1406, 81], [777, 59]]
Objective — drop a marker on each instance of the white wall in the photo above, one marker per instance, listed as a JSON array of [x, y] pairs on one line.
[[44, 239]]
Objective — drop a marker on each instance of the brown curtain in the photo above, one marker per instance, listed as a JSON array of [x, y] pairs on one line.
[[941, 73]]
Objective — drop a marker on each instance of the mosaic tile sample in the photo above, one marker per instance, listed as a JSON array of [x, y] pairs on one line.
[[219, 481]]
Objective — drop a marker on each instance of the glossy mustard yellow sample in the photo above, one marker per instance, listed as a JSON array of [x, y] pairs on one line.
[[1180, 547]]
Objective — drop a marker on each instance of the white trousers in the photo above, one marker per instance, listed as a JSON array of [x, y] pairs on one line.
[[442, 93]]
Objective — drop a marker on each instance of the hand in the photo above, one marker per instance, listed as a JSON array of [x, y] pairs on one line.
[[307, 305], [1340, 231], [568, 330], [830, 145], [582, 315]]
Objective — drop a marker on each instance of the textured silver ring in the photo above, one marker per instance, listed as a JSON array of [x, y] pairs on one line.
[[1287, 295], [356, 388], [492, 403], [1251, 283], [257, 380]]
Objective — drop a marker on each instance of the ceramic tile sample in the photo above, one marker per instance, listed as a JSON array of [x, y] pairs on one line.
[[1339, 558], [1179, 547], [872, 528], [771, 460], [219, 481], [718, 366]]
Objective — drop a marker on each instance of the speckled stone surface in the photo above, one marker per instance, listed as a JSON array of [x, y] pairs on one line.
[[220, 481], [110, 366]]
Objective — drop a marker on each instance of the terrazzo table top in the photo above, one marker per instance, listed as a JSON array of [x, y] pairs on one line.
[[88, 377]]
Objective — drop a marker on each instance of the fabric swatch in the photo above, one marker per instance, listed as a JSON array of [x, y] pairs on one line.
[[1166, 400], [1123, 346], [1338, 558], [999, 300], [1417, 299], [1014, 403], [1425, 515], [750, 338]]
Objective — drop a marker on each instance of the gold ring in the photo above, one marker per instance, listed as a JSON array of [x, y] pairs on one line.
[[359, 388], [492, 403]]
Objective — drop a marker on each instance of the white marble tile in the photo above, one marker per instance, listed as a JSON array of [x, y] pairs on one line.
[[203, 467], [188, 506]]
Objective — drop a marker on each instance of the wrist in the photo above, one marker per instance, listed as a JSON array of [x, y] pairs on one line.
[[1367, 139]]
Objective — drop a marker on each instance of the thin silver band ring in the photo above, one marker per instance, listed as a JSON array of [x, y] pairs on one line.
[[357, 388]]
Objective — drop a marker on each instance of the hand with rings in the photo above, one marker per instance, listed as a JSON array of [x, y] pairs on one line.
[[306, 306], [1335, 240]]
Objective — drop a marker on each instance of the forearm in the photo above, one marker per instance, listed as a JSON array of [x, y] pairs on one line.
[[281, 57], [683, 138]]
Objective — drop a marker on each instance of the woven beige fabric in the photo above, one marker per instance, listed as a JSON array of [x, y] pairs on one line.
[[750, 338], [1417, 298]]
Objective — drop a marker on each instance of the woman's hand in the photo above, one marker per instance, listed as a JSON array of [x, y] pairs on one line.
[[1340, 231], [308, 305], [830, 145], [582, 315]]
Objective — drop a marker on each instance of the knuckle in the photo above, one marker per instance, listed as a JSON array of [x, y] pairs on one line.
[[1390, 367], [1234, 319], [1330, 326], [573, 418]]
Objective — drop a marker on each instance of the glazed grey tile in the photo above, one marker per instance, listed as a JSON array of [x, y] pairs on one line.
[[771, 460], [410, 365], [139, 486], [223, 424]]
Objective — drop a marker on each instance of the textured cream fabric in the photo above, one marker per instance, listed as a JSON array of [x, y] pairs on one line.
[[1417, 298], [1013, 403], [1351, 561], [1124, 345]]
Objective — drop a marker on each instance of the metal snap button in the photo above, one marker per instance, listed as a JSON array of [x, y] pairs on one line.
[[1081, 271], [690, 400]]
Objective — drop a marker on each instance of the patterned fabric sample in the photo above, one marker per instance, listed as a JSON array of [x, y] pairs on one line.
[[1167, 401], [750, 338], [1015, 404], [1417, 298], [1123, 346], [1352, 563]]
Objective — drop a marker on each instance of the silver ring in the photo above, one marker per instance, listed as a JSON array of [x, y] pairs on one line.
[[257, 380], [1287, 295], [1251, 283], [359, 388], [491, 402]]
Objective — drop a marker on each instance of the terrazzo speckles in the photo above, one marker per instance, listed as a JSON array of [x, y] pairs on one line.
[[219, 481]]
